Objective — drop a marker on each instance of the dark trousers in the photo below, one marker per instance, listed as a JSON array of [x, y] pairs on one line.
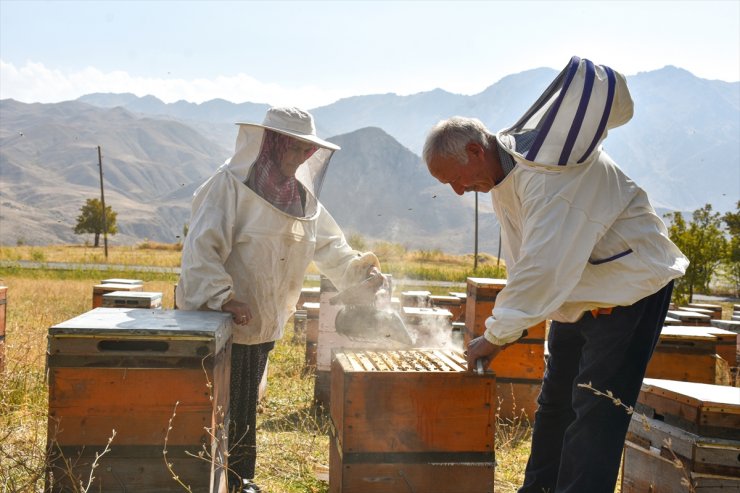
[[247, 367], [578, 437]]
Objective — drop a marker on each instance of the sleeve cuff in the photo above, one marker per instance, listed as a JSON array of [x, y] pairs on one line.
[[500, 341]]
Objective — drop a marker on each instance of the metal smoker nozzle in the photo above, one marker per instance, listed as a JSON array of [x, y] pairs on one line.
[[479, 370]]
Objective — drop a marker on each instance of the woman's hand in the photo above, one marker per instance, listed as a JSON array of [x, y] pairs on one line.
[[240, 313]]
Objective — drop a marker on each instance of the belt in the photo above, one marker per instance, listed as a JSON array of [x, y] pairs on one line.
[[601, 311]]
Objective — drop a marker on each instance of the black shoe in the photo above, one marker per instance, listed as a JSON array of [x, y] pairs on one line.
[[251, 487]]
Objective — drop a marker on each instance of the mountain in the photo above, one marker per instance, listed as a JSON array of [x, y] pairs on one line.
[[682, 146], [49, 167], [380, 189]]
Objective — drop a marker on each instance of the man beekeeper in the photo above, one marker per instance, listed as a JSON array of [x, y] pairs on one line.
[[255, 226], [584, 248]]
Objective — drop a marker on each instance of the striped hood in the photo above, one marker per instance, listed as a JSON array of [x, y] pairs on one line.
[[570, 120]]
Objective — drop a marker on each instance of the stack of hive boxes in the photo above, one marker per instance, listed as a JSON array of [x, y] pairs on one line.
[[683, 433], [127, 369], [520, 367]]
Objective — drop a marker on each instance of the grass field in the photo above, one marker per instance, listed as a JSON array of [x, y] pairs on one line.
[[292, 433]]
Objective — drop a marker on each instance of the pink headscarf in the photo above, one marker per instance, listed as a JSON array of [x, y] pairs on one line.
[[284, 192]]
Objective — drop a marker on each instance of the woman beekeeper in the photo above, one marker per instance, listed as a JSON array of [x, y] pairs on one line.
[[255, 226]]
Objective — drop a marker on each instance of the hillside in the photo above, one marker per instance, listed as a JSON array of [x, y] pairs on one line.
[[682, 146]]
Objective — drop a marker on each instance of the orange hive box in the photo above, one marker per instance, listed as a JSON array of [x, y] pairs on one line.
[[125, 369], [697, 424], [687, 355], [521, 366], [100, 289], [410, 420]]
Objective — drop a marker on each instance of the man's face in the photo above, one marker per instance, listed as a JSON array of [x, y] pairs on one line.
[[475, 176]]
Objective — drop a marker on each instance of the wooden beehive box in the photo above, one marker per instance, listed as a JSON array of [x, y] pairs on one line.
[[428, 326], [697, 424], [3, 317], [726, 341], [416, 298], [455, 305], [690, 317], [686, 355], [125, 369], [118, 280], [308, 295], [312, 333], [520, 367], [133, 299], [703, 409], [715, 309], [463, 297], [410, 420], [100, 289]]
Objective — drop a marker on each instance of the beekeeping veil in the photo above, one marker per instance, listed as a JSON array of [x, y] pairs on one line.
[[571, 118], [259, 149]]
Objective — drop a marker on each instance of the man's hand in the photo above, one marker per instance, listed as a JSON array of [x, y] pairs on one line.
[[240, 313], [480, 348]]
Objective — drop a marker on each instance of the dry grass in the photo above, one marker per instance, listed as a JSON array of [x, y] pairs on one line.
[[148, 253], [292, 434]]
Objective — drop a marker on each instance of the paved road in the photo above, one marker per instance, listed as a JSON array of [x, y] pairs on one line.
[[27, 264]]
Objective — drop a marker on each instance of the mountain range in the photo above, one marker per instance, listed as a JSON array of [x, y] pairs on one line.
[[682, 146]]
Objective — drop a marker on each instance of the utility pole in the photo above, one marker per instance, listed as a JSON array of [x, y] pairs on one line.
[[475, 258], [102, 201]]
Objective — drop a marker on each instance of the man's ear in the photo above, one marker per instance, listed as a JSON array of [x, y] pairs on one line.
[[475, 149]]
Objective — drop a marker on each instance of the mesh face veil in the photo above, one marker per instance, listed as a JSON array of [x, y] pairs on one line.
[[286, 171]]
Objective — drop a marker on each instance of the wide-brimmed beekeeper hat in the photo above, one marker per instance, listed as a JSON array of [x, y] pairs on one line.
[[293, 122]]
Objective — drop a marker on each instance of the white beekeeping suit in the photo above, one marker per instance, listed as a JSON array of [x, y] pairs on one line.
[[578, 234], [247, 244]]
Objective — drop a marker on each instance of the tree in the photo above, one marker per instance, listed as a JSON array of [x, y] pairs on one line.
[[90, 220], [731, 266], [703, 242]]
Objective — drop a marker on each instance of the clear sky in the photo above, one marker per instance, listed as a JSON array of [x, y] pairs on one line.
[[311, 53]]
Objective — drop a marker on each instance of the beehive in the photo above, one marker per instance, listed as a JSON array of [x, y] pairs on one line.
[[410, 420], [416, 298], [133, 299], [453, 304], [117, 280], [308, 295], [690, 317], [715, 309], [100, 289], [519, 367], [726, 341], [126, 369], [312, 333], [463, 297], [697, 424], [686, 355]]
